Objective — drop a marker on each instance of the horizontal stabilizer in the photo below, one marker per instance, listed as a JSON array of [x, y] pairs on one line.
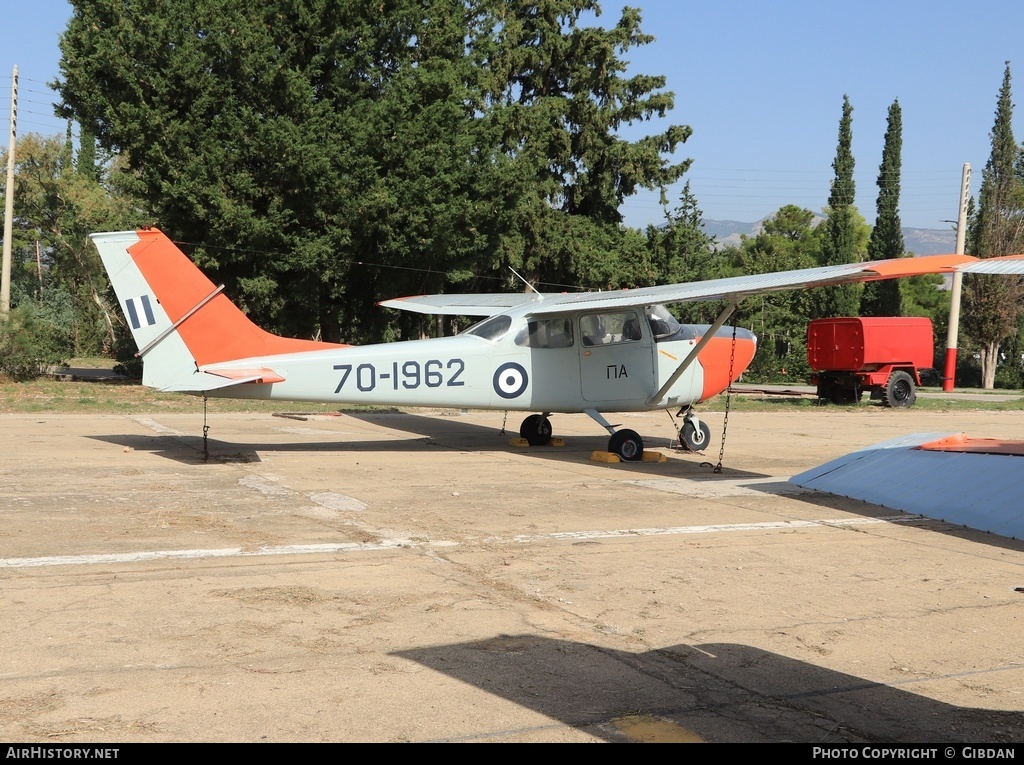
[[215, 379]]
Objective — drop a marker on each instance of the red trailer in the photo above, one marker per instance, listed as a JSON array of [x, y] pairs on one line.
[[884, 355]]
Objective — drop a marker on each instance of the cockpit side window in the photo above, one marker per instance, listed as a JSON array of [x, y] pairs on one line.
[[609, 328]]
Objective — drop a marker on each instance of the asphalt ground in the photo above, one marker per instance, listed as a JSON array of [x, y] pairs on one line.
[[416, 578]]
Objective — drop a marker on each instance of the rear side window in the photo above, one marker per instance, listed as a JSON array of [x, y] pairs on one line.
[[546, 333]]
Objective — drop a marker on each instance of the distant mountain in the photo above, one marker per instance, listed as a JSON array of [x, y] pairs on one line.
[[920, 241], [929, 241]]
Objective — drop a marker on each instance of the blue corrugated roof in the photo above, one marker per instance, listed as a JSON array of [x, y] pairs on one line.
[[980, 491]]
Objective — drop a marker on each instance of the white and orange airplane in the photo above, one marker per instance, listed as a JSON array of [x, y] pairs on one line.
[[593, 353]]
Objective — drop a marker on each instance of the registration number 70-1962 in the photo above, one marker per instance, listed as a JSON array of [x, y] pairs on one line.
[[409, 375]]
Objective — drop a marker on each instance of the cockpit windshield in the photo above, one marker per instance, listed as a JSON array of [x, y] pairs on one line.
[[492, 328], [663, 324]]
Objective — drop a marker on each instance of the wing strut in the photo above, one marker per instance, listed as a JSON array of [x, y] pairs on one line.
[[723, 317]]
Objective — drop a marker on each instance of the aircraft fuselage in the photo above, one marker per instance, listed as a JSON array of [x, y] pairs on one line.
[[527, 366]]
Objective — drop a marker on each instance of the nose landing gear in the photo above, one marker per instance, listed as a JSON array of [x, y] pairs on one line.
[[694, 434]]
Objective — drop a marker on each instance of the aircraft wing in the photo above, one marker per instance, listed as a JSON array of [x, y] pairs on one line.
[[1009, 264], [730, 288], [739, 287], [465, 305]]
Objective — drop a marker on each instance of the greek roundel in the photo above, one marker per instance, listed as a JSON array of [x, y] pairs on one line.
[[510, 380]]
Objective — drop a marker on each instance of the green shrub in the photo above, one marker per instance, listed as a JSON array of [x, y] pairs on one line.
[[29, 345]]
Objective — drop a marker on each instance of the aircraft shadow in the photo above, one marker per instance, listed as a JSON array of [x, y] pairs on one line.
[[431, 433], [457, 433], [719, 692], [435, 434]]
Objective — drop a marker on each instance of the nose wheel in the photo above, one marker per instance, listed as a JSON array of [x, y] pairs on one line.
[[695, 435]]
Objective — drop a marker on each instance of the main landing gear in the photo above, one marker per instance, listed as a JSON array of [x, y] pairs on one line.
[[536, 430], [626, 444]]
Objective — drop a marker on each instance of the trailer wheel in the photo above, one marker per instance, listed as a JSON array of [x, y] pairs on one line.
[[899, 390]]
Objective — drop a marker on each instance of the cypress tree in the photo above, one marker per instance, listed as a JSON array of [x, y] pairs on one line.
[[85, 163], [838, 245], [884, 298], [991, 303]]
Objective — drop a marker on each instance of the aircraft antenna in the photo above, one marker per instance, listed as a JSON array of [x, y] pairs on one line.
[[525, 282]]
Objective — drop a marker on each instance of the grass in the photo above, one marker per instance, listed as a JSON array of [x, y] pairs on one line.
[[746, 402], [124, 397]]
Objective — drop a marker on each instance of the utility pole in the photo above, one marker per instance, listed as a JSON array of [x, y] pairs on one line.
[[5, 276], [949, 373]]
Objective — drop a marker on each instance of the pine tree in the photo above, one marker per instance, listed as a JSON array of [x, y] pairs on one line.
[[680, 249], [839, 232], [787, 241], [294, 143], [884, 298], [992, 304]]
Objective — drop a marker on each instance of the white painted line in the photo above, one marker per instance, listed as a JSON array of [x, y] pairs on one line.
[[710, 488], [153, 425], [226, 552], [392, 544], [767, 526]]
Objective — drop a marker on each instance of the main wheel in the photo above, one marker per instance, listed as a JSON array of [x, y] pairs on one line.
[[627, 444], [899, 390], [695, 439], [536, 429]]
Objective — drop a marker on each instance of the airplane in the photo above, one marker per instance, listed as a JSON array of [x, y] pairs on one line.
[[594, 352]]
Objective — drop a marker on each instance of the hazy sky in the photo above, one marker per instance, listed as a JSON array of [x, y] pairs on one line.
[[760, 82]]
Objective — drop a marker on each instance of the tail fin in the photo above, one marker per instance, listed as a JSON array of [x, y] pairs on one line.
[[183, 325]]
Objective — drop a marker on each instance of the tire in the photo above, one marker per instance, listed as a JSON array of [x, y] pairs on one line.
[[627, 445], [536, 429], [900, 391], [693, 438]]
